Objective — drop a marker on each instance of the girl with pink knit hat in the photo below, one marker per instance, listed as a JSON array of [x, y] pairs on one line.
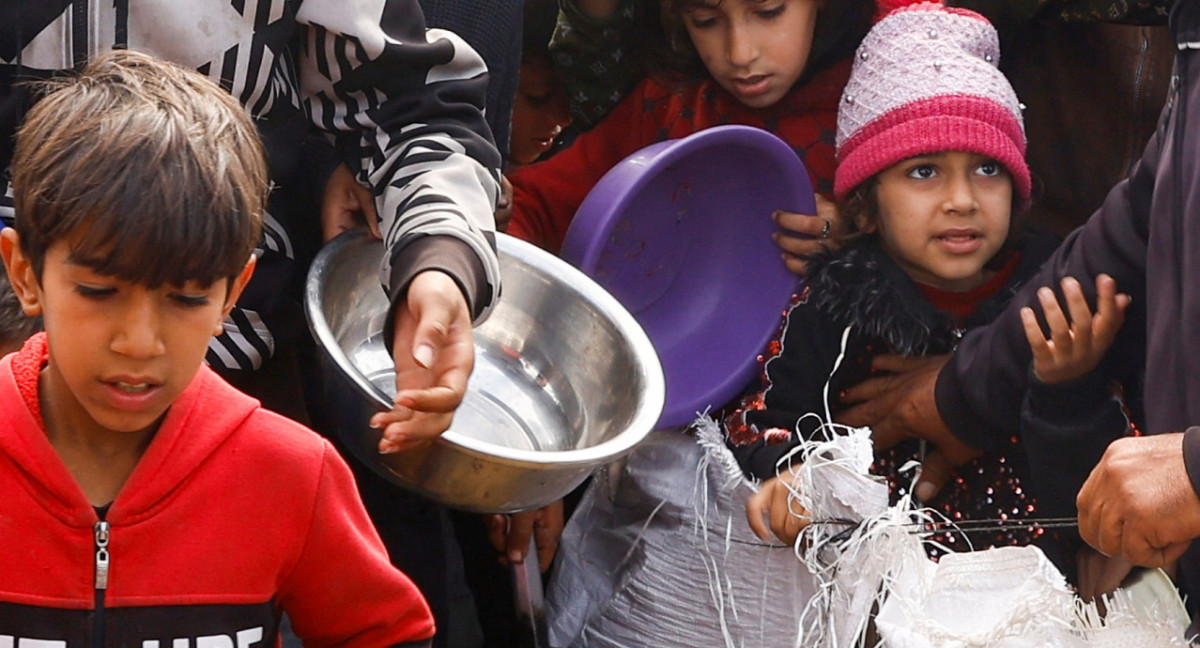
[[931, 172]]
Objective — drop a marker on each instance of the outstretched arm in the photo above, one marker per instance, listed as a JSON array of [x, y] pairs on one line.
[[406, 109]]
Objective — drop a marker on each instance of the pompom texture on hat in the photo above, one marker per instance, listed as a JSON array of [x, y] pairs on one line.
[[925, 80]]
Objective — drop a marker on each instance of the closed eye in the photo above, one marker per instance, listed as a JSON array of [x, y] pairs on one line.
[[94, 292], [700, 20], [189, 301], [772, 12]]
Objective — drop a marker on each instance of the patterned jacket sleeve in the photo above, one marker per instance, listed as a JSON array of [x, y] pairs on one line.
[[405, 107]]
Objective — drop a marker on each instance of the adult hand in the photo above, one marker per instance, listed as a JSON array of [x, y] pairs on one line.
[[803, 235], [899, 404], [504, 208], [774, 502], [510, 534], [346, 204], [434, 354], [1138, 503], [1078, 344]]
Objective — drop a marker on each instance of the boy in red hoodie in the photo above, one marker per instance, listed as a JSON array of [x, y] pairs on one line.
[[146, 501]]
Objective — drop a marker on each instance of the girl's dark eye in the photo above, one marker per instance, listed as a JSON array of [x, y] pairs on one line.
[[989, 169], [922, 172]]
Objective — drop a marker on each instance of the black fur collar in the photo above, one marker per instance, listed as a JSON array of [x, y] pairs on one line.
[[863, 287]]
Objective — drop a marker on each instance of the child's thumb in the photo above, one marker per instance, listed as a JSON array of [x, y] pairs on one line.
[[936, 470]]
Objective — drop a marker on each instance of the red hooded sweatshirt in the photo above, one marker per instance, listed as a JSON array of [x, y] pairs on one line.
[[233, 515]]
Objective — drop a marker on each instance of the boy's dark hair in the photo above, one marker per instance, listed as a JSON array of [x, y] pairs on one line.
[[670, 55], [154, 173]]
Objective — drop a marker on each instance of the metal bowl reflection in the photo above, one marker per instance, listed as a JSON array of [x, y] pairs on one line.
[[565, 379]]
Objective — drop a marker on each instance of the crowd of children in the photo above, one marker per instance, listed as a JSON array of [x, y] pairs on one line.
[[158, 220]]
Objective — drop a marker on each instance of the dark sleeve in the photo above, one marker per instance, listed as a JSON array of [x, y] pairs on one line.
[[1191, 456], [792, 400], [444, 253], [980, 390], [406, 107], [1065, 429]]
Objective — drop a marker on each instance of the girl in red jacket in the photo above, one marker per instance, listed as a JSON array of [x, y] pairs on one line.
[[779, 65]]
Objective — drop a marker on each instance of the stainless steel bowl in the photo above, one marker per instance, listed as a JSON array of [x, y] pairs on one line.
[[565, 379]]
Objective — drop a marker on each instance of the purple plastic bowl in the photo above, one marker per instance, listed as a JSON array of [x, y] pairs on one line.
[[680, 233]]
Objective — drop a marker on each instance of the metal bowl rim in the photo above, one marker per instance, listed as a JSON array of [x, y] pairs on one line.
[[641, 425]]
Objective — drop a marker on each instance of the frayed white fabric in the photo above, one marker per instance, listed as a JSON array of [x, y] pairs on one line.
[[1010, 597], [1146, 611], [847, 560]]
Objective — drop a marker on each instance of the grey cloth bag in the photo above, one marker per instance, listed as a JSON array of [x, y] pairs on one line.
[[659, 554]]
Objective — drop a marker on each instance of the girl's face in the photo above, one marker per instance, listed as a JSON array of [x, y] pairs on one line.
[[943, 216], [755, 49]]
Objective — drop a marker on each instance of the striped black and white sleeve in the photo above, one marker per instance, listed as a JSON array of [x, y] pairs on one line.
[[405, 106]]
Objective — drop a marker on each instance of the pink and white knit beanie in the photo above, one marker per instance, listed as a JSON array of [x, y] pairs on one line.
[[925, 80]]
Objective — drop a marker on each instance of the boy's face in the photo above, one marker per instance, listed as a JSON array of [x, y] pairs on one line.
[[943, 216], [755, 49], [120, 353]]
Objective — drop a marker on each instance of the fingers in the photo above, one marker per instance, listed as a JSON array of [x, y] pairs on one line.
[[757, 508], [496, 527], [788, 518], [1111, 307], [1139, 501], [936, 470], [1056, 321], [346, 204], [803, 235], [780, 512], [547, 529], [434, 354], [775, 504], [1081, 315], [510, 534], [1036, 338], [520, 530]]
